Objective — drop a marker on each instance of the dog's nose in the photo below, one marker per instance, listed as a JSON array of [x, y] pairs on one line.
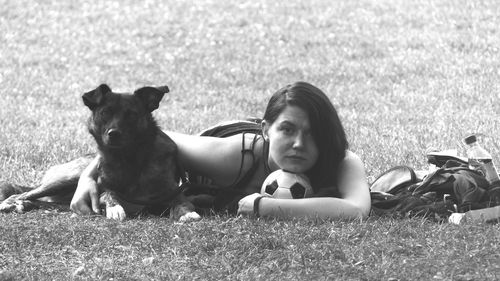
[[114, 134]]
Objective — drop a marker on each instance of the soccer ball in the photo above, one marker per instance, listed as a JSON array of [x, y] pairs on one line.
[[285, 185]]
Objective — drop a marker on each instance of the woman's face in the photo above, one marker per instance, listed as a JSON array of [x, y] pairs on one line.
[[291, 144]]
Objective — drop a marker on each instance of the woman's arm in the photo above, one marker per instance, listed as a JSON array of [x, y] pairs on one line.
[[353, 188], [85, 201], [216, 158]]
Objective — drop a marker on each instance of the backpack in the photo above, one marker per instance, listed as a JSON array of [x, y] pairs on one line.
[[201, 191], [453, 187]]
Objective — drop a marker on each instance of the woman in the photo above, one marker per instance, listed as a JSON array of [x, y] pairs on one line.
[[301, 133]]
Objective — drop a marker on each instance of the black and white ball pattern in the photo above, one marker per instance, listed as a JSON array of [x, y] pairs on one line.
[[285, 185]]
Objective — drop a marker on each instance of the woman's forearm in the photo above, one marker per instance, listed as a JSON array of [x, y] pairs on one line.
[[86, 197], [319, 207]]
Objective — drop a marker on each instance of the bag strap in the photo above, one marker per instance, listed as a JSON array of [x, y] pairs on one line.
[[392, 180]]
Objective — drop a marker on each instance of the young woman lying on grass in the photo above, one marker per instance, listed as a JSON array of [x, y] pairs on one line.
[[301, 133]]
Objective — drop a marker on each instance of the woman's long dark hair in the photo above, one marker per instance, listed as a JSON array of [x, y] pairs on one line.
[[326, 128]]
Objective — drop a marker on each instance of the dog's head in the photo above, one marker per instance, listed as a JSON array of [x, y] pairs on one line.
[[121, 120]]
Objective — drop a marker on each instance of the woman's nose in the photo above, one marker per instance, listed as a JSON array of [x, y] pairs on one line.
[[298, 141]]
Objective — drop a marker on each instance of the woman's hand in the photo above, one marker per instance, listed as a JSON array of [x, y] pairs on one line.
[[85, 201], [247, 205]]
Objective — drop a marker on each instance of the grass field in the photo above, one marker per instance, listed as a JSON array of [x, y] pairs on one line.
[[404, 76]]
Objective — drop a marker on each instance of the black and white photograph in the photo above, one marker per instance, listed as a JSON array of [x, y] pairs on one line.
[[250, 140]]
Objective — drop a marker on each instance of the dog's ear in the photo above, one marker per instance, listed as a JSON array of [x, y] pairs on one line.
[[93, 98], [151, 96], [163, 89]]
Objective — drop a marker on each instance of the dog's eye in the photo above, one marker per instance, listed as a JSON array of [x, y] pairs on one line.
[[105, 112]]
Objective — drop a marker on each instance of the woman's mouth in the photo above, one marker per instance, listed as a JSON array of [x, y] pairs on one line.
[[295, 157]]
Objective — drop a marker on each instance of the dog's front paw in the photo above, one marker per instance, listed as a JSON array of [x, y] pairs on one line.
[[189, 217], [116, 212]]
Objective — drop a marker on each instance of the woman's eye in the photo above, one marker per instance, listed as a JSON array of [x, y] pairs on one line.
[[287, 130]]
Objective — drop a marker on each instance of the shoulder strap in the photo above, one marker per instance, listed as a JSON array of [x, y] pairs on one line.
[[245, 150], [228, 197]]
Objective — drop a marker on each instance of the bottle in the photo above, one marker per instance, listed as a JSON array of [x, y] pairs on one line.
[[480, 159], [491, 214]]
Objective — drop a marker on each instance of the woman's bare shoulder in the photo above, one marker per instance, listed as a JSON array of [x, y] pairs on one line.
[[352, 169], [351, 157]]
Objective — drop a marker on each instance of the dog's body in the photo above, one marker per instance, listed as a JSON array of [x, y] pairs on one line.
[[137, 162]]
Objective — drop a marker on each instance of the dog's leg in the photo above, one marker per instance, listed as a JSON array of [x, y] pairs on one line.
[[182, 210], [57, 185], [59, 180]]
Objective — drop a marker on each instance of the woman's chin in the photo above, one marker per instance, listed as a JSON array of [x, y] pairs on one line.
[[294, 169]]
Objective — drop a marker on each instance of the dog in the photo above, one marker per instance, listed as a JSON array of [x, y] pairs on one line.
[[137, 162]]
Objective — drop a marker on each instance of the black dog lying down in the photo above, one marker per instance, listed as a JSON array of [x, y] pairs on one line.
[[137, 162]]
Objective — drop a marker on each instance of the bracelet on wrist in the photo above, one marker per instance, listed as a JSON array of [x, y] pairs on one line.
[[256, 203]]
